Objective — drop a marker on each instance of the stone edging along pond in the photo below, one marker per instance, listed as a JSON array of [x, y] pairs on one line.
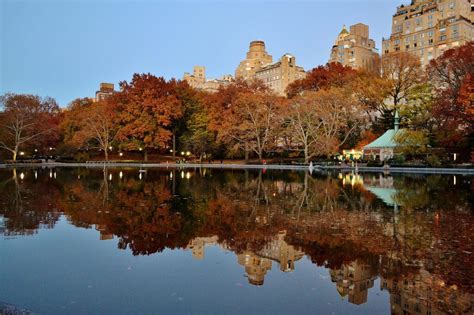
[[362, 169]]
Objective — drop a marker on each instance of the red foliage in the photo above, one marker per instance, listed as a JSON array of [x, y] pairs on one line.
[[322, 77]]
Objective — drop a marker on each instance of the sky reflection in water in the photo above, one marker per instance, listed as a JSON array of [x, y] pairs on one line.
[[213, 241]]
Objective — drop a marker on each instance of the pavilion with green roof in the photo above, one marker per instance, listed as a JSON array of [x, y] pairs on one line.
[[383, 147]]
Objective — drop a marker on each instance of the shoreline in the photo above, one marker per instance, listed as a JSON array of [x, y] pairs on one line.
[[316, 168]]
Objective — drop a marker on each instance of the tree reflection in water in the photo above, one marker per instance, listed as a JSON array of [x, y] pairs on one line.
[[414, 232]]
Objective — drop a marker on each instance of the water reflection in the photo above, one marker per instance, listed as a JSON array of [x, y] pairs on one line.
[[413, 232]]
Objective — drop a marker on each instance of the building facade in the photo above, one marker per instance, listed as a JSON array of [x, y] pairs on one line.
[[105, 90], [277, 76], [256, 58], [427, 28], [258, 64], [199, 81], [354, 48]]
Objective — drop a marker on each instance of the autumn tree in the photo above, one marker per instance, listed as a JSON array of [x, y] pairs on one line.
[[96, 127], [251, 121], [303, 124], [403, 71], [197, 137], [416, 112], [411, 142], [221, 110], [451, 74], [322, 77], [147, 107], [321, 122], [26, 119]]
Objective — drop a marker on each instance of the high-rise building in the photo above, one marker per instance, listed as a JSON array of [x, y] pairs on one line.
[[259, 65], [427, 28], [257, 57], [354, 48], [277, 76], [105, 90], [199, 81]]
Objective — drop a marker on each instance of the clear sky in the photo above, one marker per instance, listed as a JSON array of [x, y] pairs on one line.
[[64, 49]]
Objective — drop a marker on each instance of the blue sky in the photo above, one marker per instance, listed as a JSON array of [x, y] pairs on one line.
[[64, 49]]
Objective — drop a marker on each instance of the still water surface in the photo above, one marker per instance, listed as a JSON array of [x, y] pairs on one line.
[[215, 241]]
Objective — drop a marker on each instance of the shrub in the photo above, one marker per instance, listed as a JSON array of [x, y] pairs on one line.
[[433, 160]]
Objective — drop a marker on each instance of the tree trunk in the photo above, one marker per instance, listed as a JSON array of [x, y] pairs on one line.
[[174, 143], [246, 154], [106, 155], [14, 156]]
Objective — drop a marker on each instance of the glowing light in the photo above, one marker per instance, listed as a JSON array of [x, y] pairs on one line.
[[50, 149], [51, 174], [182, 153], [120, 174], [188, 175], [188, 153], [54, 175], [171, 150], [171, 174], [110, 176], [22, 175], [36, 175], [455, 155], [140, 176], [110, 148], [121, 153], [36, 150], [182, 174], [22, 153], [140, 149], [454, 180]]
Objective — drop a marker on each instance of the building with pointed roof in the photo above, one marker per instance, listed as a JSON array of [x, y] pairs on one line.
[[383, 147], [354, 48]]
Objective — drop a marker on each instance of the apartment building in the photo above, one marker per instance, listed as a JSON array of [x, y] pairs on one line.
[[354, 48], [199, 81], [427, 28]]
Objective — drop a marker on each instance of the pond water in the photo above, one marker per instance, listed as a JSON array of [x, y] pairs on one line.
[[235, 241]]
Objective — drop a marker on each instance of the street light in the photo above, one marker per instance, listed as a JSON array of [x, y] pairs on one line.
[[22, 153], [121, 154]]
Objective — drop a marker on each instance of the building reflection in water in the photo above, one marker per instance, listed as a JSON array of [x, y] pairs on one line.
[[409, 231], [354, 280]]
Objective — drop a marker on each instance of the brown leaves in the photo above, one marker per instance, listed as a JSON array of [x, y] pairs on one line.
[[147, 107]]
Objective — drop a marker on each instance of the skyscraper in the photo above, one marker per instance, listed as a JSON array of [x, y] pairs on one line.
[[427, 28]]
